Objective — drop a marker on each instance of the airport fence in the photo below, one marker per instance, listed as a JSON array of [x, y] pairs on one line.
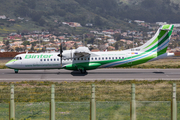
[[100, 102]]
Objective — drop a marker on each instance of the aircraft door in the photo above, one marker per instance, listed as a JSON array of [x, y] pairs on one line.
[[129, 58]]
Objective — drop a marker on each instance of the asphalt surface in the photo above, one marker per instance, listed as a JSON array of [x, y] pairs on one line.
[[98, 74]]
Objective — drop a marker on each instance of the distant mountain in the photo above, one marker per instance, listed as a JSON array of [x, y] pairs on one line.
[[101, 13], [151, 10]]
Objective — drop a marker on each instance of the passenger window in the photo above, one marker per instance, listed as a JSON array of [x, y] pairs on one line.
[[58, 59], [47, 59], [78, 58], [102, 58], [40, 59], [99, 58], [95, 58], [81, 58], [106, 58], [88, 59], [74, 58], [51, 59], [113, 58], [119, 57], [122, 57], [91, 58], [20, 58], [54, 59], [84, 58], [109, 58], [116, 58], [44, 59]]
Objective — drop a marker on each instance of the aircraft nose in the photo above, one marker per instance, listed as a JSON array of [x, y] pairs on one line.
[[7, 64]]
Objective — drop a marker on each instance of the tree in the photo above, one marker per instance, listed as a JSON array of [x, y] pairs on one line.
[[26, 43], [23, 38], [36, 16], [116, 45], [7, 42], [98, 21], [17, 49], [117, 36], [41, 22], [75, 45], [32, 48]]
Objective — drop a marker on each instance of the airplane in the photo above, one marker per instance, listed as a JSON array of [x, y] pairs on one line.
[[82, 59]]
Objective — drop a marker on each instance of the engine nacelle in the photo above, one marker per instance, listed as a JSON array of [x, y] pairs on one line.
[[86, 66]]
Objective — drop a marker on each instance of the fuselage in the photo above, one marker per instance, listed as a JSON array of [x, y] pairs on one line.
[[95, 60]]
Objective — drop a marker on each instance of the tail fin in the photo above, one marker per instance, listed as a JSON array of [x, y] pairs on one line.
[[159, 42]]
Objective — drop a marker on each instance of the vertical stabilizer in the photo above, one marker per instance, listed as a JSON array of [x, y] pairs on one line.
[[160, 40]]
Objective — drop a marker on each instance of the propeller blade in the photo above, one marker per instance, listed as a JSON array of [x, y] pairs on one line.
[[61, 51]]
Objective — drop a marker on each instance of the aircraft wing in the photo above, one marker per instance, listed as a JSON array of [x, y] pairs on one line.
[[82, 52]]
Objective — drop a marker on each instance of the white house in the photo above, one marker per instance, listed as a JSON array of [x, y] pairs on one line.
[[2, 17], [46, 40], [111, 41]]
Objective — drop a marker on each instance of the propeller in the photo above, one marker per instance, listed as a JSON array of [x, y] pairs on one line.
[[61, 51]]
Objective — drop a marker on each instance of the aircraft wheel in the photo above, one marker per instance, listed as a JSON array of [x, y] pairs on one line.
[[83, 71], [16, 71]]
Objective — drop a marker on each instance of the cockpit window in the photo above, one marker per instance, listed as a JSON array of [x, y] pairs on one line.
[[17, 58]]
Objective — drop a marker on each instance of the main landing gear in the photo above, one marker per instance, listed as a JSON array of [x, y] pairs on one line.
[[82, 70], [16, 71]]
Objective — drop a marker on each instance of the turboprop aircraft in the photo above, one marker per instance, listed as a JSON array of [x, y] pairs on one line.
[[82, 59]]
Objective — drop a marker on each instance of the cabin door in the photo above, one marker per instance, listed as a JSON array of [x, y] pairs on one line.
[[129, 58]]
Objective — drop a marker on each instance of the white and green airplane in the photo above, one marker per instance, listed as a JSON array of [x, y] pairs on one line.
[[82, 59]]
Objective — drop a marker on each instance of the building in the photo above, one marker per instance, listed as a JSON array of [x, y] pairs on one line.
[[161, 23], [46, 40], [89, 25], [139, 21], [72, 24], [2, 17]]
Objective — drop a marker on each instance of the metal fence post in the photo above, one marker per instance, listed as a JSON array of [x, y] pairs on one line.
[[93, 104], [133, 103], [12, 107], [174, 103], [52, 104]]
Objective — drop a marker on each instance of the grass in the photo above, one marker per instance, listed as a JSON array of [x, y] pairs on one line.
[[72, 99], [1, 38], [80, 111], [38, 91], [162, 63], [3, 62]]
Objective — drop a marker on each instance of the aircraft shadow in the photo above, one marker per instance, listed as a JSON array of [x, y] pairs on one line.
[[77, 73]]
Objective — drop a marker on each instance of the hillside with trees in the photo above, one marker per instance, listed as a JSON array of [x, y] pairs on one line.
[[46, 14]]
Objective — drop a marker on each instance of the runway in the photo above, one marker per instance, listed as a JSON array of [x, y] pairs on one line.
[[98, 74]]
